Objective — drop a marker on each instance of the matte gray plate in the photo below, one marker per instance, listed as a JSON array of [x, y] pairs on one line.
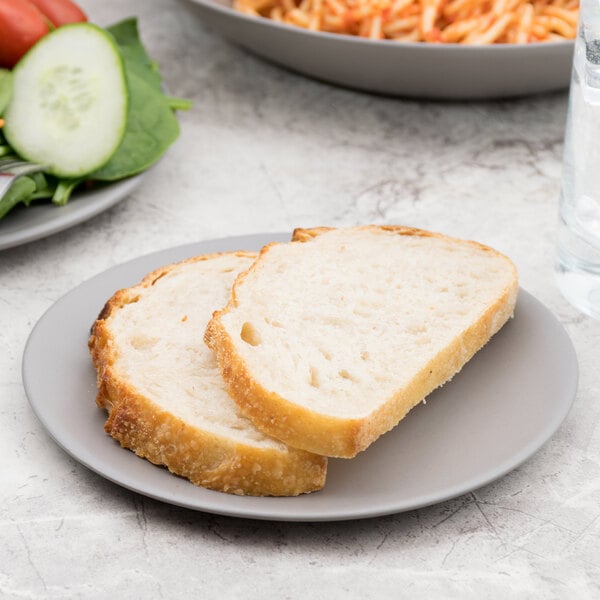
[[494, 415], [26, 224], [442, 71]]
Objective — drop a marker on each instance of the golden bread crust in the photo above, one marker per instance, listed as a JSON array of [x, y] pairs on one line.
[[303, 428], [206, 459]]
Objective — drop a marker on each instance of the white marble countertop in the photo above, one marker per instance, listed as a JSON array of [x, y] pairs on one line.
[[264, 150]]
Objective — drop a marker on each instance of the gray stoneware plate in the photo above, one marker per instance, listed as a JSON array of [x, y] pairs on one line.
[[26, 224], [437, 71], [503, 406]]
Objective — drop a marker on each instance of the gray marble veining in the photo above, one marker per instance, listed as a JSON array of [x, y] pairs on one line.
[[266, 150]]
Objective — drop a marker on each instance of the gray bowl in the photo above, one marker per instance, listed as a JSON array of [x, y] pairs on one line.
[[437, 71]]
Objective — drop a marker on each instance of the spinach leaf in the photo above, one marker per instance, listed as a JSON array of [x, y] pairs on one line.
[[37, 186], [5, 149], [21, 190], [25, 189], [134, 54], [151, 128], [151, 125], [64, 189], [45, 185], [179, 103]]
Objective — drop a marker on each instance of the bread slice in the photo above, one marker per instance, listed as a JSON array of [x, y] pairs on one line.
[[164, 394], [328, 341]]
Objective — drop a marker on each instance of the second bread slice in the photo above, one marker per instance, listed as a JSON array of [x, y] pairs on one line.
[[328, 341]]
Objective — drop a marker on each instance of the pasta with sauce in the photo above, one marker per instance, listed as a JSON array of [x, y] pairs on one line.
[[441, 21]]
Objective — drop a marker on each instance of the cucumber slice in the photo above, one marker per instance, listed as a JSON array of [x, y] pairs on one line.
[[69, 104]]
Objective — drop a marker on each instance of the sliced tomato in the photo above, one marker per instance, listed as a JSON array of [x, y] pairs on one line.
[[21, 26], [60, 12]]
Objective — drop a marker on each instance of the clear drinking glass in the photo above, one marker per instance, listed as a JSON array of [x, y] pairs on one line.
[[578, 240]]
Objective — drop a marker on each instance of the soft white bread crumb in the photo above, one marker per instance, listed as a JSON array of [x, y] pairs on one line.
[[328, 341], [163, 390]]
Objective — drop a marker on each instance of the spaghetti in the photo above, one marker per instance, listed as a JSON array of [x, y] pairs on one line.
[[442, 21]]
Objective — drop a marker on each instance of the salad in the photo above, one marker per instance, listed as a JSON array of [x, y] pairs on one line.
[[86, 103]]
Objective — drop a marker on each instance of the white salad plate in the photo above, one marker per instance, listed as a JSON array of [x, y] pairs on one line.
[[495, 414], [411, 69], [41, 219]]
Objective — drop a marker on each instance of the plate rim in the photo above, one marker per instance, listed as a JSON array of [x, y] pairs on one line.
[[110, 195], [214, 504]]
